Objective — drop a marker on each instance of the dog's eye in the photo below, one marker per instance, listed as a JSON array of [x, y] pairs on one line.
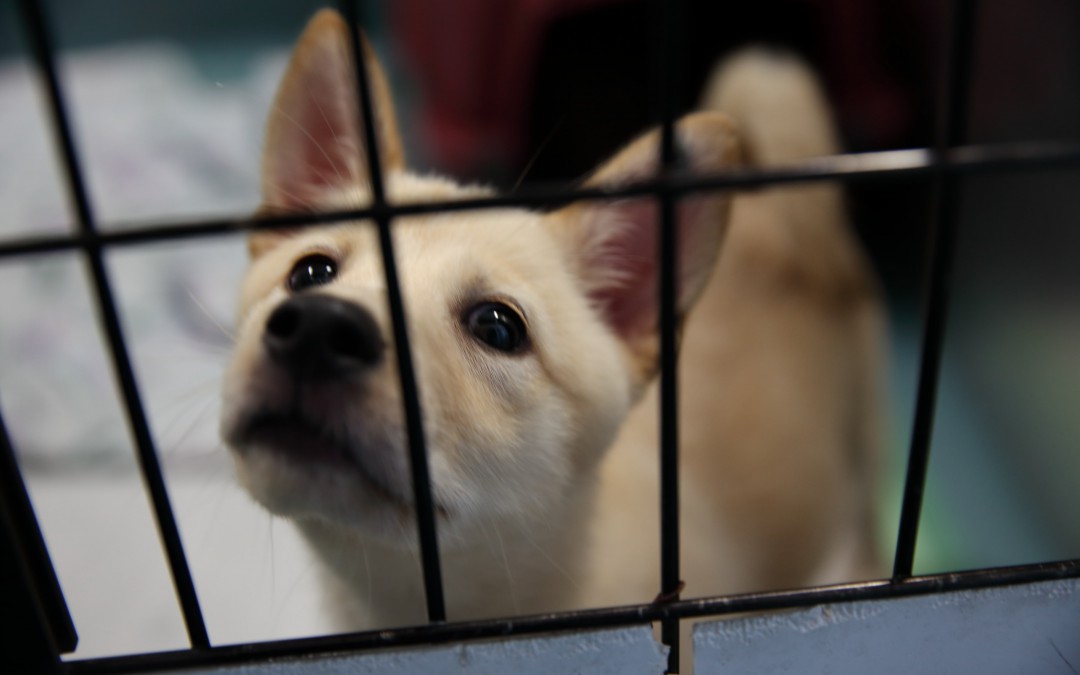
[[497, 326], [312, 270]]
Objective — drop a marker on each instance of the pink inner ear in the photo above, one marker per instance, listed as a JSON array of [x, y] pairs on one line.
[[316, 145], [323, 156], [627, 263]]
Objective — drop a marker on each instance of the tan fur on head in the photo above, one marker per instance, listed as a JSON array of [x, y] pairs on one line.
[[537, 509]]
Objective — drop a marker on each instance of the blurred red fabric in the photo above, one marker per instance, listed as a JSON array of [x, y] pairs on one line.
[[475, 59]]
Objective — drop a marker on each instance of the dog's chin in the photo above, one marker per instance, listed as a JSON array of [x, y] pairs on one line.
[[299, 472]]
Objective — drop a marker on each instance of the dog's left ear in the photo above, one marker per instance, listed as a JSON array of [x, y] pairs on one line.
[[314, 150], [613, 245]]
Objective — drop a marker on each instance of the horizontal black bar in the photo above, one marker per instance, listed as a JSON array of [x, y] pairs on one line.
[[580, 620], [883, 165]]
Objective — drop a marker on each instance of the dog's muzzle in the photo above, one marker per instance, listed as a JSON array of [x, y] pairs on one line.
[[322, 337]]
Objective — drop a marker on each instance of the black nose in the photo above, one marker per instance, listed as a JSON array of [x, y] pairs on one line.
[[316, 335]]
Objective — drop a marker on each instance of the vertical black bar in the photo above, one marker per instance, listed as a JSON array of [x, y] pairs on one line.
[[425, 506], [667, 65], [25, 639], [35, 625], [951, 132], [42, 49]]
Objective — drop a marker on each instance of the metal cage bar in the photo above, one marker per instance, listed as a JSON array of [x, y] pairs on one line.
[[951, 132], [436, 633], [666, 58], [35, 625], [886, 165], [422, 498], [149, 465]]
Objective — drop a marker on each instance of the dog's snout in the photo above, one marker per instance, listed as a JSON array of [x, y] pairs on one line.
[[316, 335]]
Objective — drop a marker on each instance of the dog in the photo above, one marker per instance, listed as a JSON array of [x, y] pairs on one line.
[[536, 344]]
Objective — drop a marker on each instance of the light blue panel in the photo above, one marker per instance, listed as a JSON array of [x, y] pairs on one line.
[[1031, 628], [616, 652]]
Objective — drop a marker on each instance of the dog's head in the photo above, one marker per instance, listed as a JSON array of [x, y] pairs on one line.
[[532, 334]]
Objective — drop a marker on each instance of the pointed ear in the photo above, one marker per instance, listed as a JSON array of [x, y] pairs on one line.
[[314, 145], [613, 246]]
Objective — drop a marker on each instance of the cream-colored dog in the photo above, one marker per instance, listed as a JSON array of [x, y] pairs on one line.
[[535, 344]]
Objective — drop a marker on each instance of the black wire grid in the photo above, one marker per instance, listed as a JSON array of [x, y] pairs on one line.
[[35, 605]]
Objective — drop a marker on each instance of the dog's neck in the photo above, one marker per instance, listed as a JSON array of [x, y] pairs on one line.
[[501, 566]]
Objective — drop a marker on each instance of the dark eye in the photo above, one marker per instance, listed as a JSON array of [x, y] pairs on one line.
[[312, 270], [497, 326]]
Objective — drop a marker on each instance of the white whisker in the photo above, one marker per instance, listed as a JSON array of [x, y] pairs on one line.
[[536, 155], [326, 120], [558, 568], [297, 199], [273, 568], [509, 572], [304, 574], [214, 506], [185, 400], [321, 149], [207, 407], [213, 319], [367, 571]]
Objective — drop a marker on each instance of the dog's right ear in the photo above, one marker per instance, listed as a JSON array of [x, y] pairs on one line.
[[612, 245], [314, 156]]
